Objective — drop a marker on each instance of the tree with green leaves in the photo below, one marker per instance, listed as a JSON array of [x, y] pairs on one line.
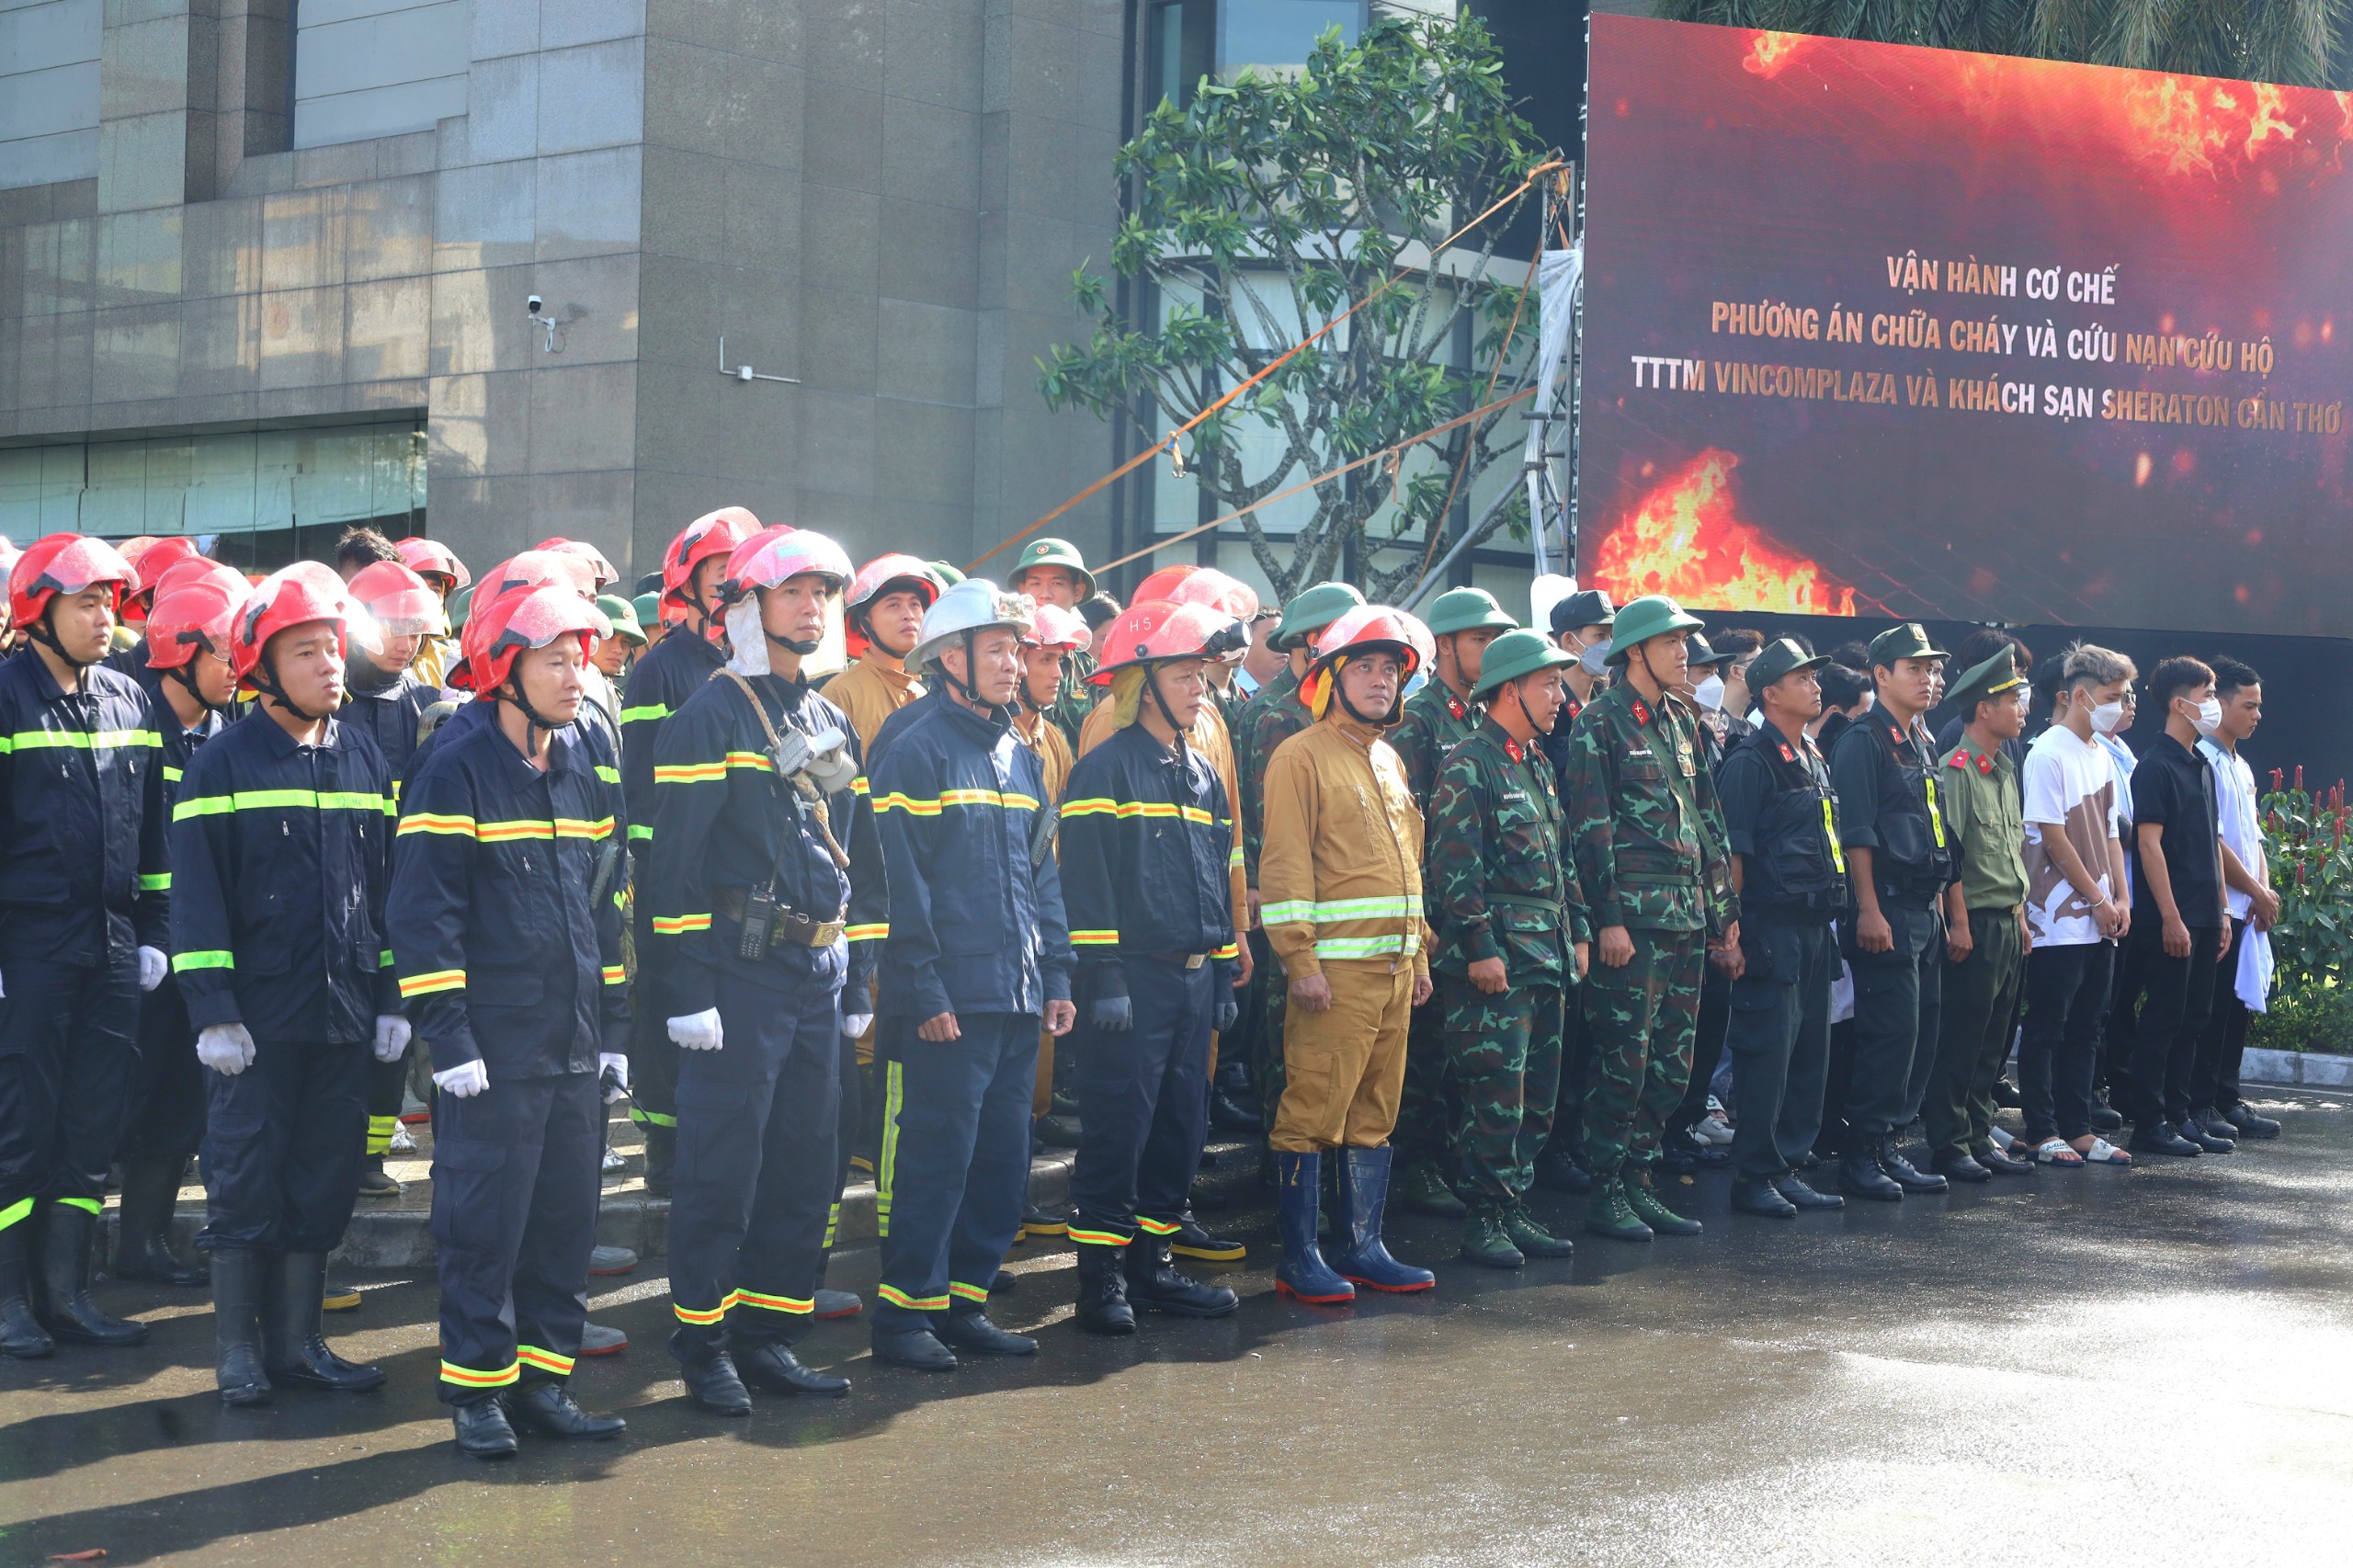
[[1267, 208], [2300, 42]]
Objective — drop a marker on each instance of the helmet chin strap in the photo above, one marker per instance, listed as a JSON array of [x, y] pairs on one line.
[[1152, 685], [534, 721], [265, 680], [1002, 713], [185, 675], [39, 631], [1341, 690]]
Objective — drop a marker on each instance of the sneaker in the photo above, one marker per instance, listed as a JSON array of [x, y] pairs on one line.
[[595, 1339], [611, 1260], [614, 1161], [403, 1141], [1716, 1126]]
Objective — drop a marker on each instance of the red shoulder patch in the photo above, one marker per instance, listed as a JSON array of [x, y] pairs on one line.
[[1985, 764], [1454, 705], [1787, 755], [1642, 714], [1895, 733], [1961, 759], [1513, 747]]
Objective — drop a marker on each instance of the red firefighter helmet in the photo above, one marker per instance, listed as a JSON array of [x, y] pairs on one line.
[[714, 533], [1163, 585], [1200, 586], [431, 558], [198, 569], [290, 597], [402, 603], [156, 560], [193, 613], [64, 563], [1155, 629], [1364, 629], [777, 554], [1055, 627], [890, 574], [533, 568], [605, 573], [530, 617]]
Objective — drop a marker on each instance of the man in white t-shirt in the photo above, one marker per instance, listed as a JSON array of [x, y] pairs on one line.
[[2254, 906], [2077, 906]]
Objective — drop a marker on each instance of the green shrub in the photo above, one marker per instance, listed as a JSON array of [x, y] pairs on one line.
[[2312, 868], [2317, 1017]]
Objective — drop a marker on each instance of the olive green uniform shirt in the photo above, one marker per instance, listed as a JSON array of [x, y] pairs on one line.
[[1981, 806]]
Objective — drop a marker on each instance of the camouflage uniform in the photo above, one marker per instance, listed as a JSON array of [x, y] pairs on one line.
[[1268, 720], [1498, 888], [1646, 835], [1436, 721], [1073, 700]]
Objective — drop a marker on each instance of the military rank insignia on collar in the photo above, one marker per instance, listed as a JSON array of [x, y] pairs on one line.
[[1513, 748], [1454, 705], [1642, 714], [1961, 759], [1895, 733], [1985, 764], [1787, 755]]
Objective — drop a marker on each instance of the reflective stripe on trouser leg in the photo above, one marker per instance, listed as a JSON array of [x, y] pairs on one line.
[[282, 1143], [380, 1135], [961, 1163], [895, 1092], [755, 1168]]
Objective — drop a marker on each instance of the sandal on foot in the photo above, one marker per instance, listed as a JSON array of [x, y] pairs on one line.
[[2103, 1152], [2057, 1152]]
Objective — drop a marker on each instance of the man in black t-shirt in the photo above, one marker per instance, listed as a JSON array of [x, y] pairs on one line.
[[2177, 872]]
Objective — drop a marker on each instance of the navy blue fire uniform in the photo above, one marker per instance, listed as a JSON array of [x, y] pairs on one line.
[[506, 930], [84, 886], [165, 1120], [279, 864], [976, 929], [659, 685], [1146, 846], [756, 1177]]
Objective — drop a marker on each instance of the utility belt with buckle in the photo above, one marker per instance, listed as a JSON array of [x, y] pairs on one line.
[[1185, 961], [768, 924]]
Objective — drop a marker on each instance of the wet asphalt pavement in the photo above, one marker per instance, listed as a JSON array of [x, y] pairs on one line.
[[2151, 1367]]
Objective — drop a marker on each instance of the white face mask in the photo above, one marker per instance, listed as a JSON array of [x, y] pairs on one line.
[[2209, 716], [1709, 693], [1594, 658], [2108, 717]]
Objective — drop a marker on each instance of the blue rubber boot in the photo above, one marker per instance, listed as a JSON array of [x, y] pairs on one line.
[[1363, 1194], [1299, 1180]]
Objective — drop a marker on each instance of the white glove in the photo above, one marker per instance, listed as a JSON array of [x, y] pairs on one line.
[[392, 1037], [225, 1048], [697, 1031], [463, 1083], [855, 1025], [612, 1062], [152, 966]]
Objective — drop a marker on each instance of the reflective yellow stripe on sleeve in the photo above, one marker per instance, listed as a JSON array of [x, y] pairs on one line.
[[614, 974], [78, 740], [646, 713], [439, 979], [213, 958], [154, 882]]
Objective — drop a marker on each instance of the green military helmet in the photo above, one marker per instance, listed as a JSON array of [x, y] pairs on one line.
[[1652, 615], [1467, 609], [623, 615], [1516, 653], [457, 605], [949, 575], [1909, 640], [648, 608], [1052, 552], [1311, 610]]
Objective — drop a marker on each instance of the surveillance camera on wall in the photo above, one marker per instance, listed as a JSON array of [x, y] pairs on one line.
[[535, 305]]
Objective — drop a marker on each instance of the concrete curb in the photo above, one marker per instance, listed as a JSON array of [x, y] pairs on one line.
[[2297, 1067]]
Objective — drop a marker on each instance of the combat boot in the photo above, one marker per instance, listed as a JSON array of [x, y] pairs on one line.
[[1532, 1238], [237, 1275], [661, 1159], [1643, 1199], [1363, 1191], [1103, 1292], [1608, 1213], [1298, 1182], [142, 1246], [21, 1335], [1484, 1242], [770, 1366], [1424, 1191], [1155, 1284], [294, 1347], [67, 1231], [1557, 1171]]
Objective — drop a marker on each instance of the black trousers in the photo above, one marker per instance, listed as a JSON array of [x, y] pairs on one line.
[[1898, 997], [282, 1147], [2066, 1003], [758, 1173], [165, 1121], [653, 1055], [2120, 1021], [516, 1184], [2214, 1078], [386, 1086], [2174, 1010], [66, 1049], [1707, 1047], [1780, 1040], [1143, 1105], [955, 1160]]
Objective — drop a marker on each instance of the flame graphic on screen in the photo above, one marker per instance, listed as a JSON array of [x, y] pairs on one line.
[[1772, 52], [2187, 123], [1686, 541]]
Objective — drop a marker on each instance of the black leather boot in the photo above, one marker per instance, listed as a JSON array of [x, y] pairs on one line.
[[971, 1332], [1155, 1284], [548, 1409], [68, 1230], [1904, 1174], [142, 1246], [1860, 1177], [771, 1366], [21, 1335], [237, 1276], [482, 1429], [1103, 1305], [294, 1347], [1755, 1195], [709, 1371]]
